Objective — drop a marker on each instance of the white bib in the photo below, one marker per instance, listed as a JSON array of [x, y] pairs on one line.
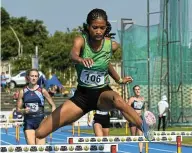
[[93, 78], [138, 105], [34, 107], [101, 112]]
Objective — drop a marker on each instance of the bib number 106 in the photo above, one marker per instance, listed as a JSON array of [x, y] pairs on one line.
[[93, 78]]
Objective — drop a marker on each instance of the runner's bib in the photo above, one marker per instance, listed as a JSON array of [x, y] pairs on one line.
[[101, 112], [138, 105], [34, 107], [93, 78]]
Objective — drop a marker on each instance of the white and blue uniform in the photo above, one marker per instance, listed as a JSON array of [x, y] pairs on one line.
[[34, 100], [137, 105]]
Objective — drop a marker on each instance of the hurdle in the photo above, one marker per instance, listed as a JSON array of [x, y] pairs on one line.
[[177, 133], [120, 139], [112, 148], [126, 139], [6, 125]]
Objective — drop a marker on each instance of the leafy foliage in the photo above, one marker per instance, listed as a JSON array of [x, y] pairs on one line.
[[53, 50]]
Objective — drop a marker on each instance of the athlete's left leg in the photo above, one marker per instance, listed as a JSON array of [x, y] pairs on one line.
[[110, 100]]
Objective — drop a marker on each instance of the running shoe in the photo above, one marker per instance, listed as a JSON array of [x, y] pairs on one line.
[[148, 125]]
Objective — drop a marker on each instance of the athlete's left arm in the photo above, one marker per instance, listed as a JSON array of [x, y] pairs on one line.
[[49, 99], [112, 72]]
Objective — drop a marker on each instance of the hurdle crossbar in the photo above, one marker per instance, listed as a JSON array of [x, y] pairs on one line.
[[112, 148], [172, 133], [120, 139]]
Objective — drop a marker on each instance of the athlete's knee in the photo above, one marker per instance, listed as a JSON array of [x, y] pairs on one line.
[[118, 102]]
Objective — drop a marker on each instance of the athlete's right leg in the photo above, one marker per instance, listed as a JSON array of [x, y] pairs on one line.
[[63, 115], [30, 136]]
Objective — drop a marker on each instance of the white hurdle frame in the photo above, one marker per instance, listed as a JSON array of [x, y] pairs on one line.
[[112, 148]]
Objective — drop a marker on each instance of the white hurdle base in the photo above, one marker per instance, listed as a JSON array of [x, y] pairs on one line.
[[120, 139], [66, 148]]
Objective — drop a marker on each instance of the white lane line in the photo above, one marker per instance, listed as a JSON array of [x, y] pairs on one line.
[[6, 142]]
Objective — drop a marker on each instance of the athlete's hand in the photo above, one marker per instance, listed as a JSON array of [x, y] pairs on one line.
[[127, 79], [87, 62], [53, 108], [26, 110]]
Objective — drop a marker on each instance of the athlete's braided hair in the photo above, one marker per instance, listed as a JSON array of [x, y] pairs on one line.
[[96, 14]]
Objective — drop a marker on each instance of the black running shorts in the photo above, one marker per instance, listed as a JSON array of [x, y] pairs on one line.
[[104, 120], [87, 98]]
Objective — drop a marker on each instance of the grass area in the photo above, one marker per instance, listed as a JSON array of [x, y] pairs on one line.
[[122, 132]]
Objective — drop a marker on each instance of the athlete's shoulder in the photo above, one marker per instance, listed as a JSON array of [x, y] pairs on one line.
[[25, 89], [79, 40], [40, 89], [132, 98]]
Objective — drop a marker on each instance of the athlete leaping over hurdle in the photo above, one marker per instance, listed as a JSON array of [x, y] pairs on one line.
[[92, 54]]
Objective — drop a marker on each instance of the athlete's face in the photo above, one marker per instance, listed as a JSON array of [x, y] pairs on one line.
[[97, 29], [137, 91], [33, 77]]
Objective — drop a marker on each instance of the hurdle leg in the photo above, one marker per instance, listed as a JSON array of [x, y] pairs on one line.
[[73, 129], [6, 129], [179, 144], [126, 128], [70, 141], [113, 149], [18, 134], [78, 129], [146, 147]]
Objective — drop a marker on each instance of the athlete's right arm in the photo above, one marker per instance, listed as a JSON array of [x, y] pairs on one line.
[[78, 44], [20, 103]]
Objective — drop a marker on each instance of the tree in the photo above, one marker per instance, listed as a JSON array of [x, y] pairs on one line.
[[5, 17], [57, 49], [29, 32]]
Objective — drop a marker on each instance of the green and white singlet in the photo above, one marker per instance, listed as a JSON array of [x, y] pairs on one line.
[[97, 76]]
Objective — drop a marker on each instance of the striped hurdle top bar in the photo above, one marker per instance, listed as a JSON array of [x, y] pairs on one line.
[[112, 148], [120, 139], [10, 125], [168, 133]]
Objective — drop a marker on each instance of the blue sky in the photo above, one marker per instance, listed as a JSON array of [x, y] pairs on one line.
[[59, 14], [63, 14]]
